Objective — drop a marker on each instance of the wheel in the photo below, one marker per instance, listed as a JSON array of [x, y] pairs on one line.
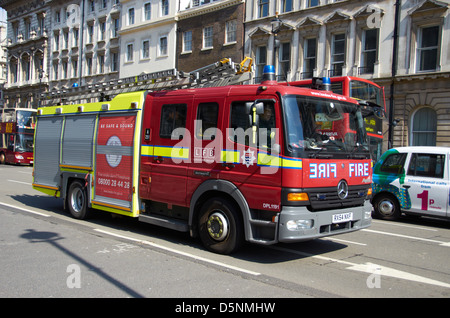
[[220, 226], [386, 207], [77, 200], [2, 158]]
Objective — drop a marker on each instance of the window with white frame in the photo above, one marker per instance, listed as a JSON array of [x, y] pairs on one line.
[[130, 16], [64, 69], [261, 61], [369, 47], [163, 46], [208, 37], [286, 5], [230, 31], [115, 27], [309, 57], [164, 7], [312, 3], [55, 70], [101, 63], [263, 8], [337, 54], [284, 61], [74, 67], [145, 51], [130, 52], [428, 48], [147, 11], [102, 31], [76, 36], [90, 33], [56, 41], [187, 41], [89, 65], [114, 57], [424, 127]]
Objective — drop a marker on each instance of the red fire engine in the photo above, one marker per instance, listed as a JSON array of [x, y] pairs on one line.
[[228, 164]]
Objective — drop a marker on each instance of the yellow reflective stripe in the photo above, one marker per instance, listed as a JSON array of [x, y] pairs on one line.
[[146, 150], [265, 159], [166, 152], [291, 163], [231, 156]]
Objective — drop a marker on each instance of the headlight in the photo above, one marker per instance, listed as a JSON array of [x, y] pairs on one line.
[[295, 225], [20, 157]]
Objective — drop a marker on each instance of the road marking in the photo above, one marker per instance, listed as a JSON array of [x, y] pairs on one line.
[[344, 241], [447, 244], [27, 183], [369, 268], [22, 209], [199, 258], [404, 225]]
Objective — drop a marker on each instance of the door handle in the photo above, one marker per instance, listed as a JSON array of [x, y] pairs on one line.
[[228, 166], [159, 159], [406, 186]]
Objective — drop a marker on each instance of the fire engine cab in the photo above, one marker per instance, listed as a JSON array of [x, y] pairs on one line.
[[261, 163]]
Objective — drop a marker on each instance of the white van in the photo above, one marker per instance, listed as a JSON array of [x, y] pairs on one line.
[[412, 180]]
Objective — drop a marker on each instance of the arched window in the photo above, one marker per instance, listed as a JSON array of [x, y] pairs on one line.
[[424, 126]]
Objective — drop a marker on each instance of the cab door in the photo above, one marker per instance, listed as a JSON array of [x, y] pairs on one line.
[[169, 143], [251, 161], [426, 181]]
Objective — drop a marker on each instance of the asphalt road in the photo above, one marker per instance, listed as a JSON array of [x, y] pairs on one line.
[[46, 253]]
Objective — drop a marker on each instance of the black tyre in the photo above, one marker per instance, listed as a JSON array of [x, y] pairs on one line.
[[220, 226], [386, 207], [77, 200]]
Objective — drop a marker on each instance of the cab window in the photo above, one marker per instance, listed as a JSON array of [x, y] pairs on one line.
[[427, 165], [393, 163], [240, 120], [173, 116], [207, 114]]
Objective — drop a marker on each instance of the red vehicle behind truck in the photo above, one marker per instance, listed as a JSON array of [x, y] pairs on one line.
[[16, 135], [227, 164]]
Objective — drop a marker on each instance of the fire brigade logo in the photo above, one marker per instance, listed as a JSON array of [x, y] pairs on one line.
[[248, 158], [113, 159]]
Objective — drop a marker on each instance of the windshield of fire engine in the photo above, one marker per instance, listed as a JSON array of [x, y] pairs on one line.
[[324, 126]]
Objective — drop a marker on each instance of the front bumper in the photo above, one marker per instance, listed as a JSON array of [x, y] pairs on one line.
[[322, 222]]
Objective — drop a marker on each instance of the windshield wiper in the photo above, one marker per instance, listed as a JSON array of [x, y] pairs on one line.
[[352, 154]]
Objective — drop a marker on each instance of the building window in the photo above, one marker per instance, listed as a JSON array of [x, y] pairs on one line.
[[208, 37], [164, 7], [89, 65], [90, 33], [66, 39], [369, 50], [56, 41], [114, 62], [284, 58], [263, 8], [74, 68], [55, 70], [131, 16], [424, 126], [230, 36], [312, 3], [102, 29], [261, 61], [163, 46], [187, 41], [76, 37], [101, 64], [427, 48], [145, 53], [64, 68], [337, 54], [57, 17], [130, 52], [115, 27], [286, 5], [91, 5], [147, 11], [309, 58]]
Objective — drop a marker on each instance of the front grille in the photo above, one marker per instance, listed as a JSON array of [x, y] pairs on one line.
[[327, 198]]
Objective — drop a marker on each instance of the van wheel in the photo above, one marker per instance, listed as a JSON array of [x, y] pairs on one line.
[[220, 226], [386, 207], [77, 200]]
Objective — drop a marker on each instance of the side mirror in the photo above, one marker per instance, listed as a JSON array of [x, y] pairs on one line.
[[254, 109]]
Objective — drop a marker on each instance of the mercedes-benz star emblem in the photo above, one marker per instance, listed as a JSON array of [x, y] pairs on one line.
[[342, 189]]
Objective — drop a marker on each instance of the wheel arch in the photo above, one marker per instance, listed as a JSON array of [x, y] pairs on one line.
[[218, 188]]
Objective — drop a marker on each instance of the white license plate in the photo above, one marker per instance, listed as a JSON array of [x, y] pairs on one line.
[[343, 217]]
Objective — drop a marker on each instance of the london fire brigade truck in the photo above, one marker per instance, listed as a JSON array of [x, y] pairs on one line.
[[261, 163]]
